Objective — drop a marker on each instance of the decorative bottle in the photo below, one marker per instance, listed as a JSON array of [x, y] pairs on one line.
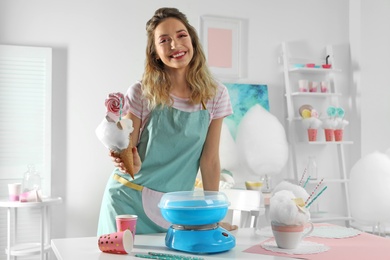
[[31, 179], [312, 168]]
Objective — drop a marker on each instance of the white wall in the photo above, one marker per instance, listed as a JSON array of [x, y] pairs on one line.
[[375, 82], [99, 46]]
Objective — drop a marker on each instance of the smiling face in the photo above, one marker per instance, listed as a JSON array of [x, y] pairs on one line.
[[173, 44]]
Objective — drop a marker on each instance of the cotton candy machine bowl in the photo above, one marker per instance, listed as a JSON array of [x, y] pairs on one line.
[[195, 216]]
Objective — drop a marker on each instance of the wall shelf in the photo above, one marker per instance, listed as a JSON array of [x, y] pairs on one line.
[[298, 146]]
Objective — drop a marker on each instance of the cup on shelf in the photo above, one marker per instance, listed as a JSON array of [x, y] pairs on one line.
[[116, 243], [338, 135], [329, 134], [312, 134], [14, 190], [31, 196], [324, 86], [313, 86], [289, 236], [303, 85]]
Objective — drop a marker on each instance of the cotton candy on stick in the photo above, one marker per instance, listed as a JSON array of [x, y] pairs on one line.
[[310, 117], [312, 122], [114, 131]]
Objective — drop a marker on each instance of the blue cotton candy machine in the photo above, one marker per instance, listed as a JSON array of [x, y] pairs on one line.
[[194, 216]]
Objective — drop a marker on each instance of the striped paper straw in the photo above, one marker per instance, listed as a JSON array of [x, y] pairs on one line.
[[307, 180], [173, 256], [312, 193], [303, 175], [308, 205], [120, 109]]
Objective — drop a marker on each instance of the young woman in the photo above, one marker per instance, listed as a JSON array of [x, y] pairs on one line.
[[177, 111]]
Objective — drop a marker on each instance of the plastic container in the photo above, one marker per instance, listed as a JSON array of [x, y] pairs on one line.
[[312, 170], [194, 207], [31, 179]]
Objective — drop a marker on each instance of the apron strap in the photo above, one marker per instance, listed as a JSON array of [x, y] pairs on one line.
[[127, 183]]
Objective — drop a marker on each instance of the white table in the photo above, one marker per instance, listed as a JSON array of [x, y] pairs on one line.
[[87, 248], [27, 249]]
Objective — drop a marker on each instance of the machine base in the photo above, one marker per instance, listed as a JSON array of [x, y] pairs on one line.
[[200, 241]]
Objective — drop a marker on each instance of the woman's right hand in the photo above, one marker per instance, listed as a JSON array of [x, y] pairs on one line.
[[120, 165]]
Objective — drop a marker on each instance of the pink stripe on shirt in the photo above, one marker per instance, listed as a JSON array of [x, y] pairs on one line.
[[218, 107]]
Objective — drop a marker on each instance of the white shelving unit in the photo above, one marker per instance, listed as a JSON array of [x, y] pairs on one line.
[[299, 144], [42, 247]]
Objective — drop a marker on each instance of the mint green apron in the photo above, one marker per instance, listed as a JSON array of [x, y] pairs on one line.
[[170, 148]]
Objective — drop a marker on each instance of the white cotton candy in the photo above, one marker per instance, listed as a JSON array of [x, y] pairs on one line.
[[284, 210], [370, 188], [112, 136], [228, 151], [311, 122], [340, 123], [328, 123], [261, 142], [298, 191]]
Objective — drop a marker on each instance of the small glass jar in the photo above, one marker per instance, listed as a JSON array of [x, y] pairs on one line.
[[31, 179]]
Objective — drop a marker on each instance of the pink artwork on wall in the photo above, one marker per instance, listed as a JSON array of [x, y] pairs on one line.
[[220, 44]]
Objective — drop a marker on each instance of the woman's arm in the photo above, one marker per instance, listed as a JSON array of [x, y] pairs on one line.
[[209, 162]]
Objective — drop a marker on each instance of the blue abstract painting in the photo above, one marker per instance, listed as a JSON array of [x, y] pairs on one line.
[[243, 97]]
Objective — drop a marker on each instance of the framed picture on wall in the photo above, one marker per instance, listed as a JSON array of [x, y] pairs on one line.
[[223, 39]]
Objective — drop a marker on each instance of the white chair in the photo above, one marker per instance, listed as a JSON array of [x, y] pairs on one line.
[[245, 207]]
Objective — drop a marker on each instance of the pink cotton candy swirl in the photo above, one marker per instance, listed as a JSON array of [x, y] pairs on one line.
[[117, 104]]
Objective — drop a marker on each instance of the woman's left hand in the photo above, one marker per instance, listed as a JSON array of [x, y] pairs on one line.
[[228, 226]]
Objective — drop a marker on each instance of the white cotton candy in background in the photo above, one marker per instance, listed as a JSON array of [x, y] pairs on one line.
[[261, 141], [228, 151], [340, 123], [112, 137], [311, 122], [369, 188], [328, 123], [284, 210], [298, 191]]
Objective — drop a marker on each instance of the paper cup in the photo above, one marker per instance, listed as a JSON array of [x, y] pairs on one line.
[[324, 86], [329, 133], [313, 86], [31, 196], [126, 222], [312, 134], [14, 190], [338, 135], [116, 243], [289, 236], [303, 85]]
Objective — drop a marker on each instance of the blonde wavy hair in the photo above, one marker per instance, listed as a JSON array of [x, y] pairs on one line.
[[156, 83]]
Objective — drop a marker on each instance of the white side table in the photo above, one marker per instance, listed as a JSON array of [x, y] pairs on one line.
[[27, 249]]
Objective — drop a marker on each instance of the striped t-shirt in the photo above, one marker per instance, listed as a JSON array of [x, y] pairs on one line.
[[218, 107]]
